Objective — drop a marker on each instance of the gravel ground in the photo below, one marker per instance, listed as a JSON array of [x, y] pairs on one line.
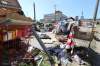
[[95, 45], [94, 51]]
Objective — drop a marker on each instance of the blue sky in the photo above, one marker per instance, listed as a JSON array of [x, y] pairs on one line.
[[68, 7]]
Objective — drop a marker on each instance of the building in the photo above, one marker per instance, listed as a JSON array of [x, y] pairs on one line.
[[51, 19], [13, 26], [57, 16], [90, 20], [11, 5]]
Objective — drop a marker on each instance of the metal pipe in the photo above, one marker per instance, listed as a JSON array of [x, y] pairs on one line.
[[94, 22], [96, 10]]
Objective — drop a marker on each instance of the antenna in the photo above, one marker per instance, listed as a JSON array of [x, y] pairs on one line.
[[82, 12], [82, 16], [55, 6]]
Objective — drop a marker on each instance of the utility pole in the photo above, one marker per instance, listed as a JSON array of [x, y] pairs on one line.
[[94, 22], [40, 41], [34, 12], [55, 12]]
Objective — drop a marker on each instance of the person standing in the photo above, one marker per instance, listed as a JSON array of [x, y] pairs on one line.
[[70, 38]]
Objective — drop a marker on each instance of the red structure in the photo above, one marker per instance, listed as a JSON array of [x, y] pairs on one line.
[[14, 26]]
